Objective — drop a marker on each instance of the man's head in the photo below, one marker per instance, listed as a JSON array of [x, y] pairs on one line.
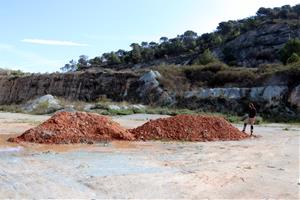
[[251, 105]]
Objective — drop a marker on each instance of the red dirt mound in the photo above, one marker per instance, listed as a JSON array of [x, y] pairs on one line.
[[188, 128], [78, 127]]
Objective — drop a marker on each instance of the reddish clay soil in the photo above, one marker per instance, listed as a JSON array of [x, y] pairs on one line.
[[188, 128], [78, 127]]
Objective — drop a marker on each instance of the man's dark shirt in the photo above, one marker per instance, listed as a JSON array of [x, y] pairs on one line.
[[252, 112]]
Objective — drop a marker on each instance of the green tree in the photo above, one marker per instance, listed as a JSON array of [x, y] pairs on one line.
[[206, 57], [153, 45], [70, 67], [95, 61], [83, 62], [136, 53], [225, 27], [111, 58], [145, 44], [148, 54], [163, 39], [292, 46], [190, 34], [188, 40], [176, 46], [264, 12], [114, 59]]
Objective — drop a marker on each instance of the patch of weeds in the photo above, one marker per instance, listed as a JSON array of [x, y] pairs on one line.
[[41, 108], [286, 129], [138, 111], [11, 108], [120, 112]]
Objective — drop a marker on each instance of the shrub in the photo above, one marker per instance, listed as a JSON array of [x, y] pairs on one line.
[[215, 67], [197, 73], [173, 78], [269, 68], [242, 77], [11, 108], [293, 59], [42, 108], [291, 47], [205, 58]]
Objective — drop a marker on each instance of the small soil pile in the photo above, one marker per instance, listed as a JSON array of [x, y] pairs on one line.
[[77, 127], [188, 128]]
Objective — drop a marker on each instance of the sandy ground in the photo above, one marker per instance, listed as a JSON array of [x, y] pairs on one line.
[[263, 167]]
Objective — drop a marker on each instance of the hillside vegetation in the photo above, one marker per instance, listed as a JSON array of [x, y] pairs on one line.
[[247, 42]]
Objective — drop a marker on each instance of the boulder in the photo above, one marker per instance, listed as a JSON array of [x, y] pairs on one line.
[[149, 89], [138, 106], [88, 107], [294, 98], [43, 105], [151, 77], [67, 108], [114, 107]]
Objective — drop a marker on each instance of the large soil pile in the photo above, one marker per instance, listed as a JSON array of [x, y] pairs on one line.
[[188, 128], [78, 127]]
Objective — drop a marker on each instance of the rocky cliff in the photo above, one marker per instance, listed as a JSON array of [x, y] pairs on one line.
[[86, 86], [258, 46], [282, 100]]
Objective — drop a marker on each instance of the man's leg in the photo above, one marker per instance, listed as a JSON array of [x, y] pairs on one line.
[[245, 125], [252, 120]]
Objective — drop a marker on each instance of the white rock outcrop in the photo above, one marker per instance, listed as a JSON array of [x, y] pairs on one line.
[[44, 104], [270, 94]]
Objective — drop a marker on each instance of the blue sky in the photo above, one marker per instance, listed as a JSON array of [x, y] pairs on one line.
[[43, 35]]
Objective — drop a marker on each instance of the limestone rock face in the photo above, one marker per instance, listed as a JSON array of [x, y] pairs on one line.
[[270, 94], [228, 93], [274, 93]]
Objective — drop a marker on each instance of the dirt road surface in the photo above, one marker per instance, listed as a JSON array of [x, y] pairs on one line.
[[262, 167]]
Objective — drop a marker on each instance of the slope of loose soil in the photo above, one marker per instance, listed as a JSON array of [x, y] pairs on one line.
[[78, 127], [188, 128]]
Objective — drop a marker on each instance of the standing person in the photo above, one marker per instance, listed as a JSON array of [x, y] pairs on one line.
[[251, 118]]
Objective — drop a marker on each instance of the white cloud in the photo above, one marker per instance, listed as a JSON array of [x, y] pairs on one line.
[[28, 61], [53, 42]]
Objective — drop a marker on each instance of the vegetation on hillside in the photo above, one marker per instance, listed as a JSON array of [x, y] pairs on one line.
[[189, 43], [218, 74], [291, 51]]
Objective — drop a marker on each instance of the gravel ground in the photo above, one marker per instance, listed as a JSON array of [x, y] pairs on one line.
[[263, 167]]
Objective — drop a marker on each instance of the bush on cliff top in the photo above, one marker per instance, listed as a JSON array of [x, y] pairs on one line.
[[290, 50]]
